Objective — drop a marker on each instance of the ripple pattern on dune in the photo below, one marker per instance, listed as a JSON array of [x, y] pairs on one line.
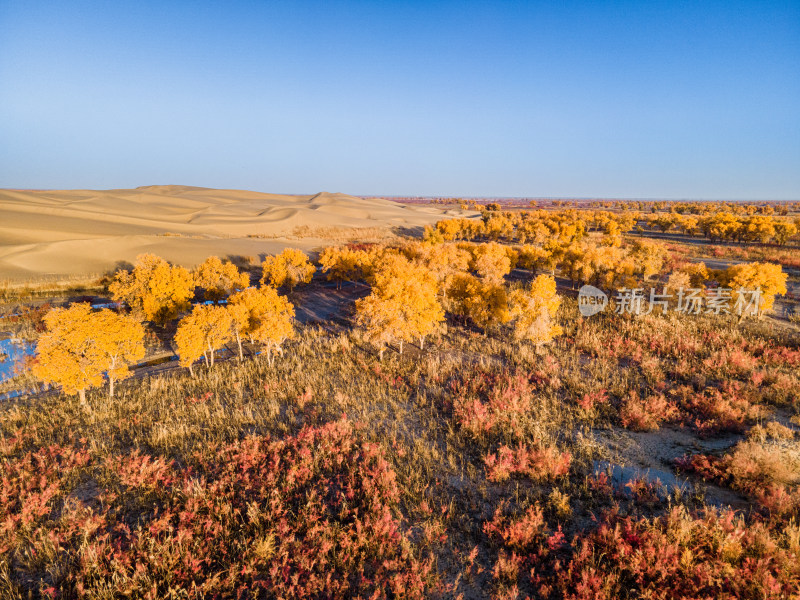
[[79, 231]]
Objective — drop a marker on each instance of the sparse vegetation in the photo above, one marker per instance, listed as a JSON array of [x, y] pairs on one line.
[[468, 465]]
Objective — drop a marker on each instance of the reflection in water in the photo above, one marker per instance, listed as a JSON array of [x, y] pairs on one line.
[[13, 351]]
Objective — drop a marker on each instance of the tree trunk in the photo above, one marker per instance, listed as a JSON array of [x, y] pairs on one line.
[[205, 356], [82, 396], [380, 354], [112, 366], [211, 352], [401, 346], [422, 342], [239, 341], [191, 371]]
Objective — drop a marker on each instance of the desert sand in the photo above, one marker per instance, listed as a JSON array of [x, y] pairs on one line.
[[50, 234]]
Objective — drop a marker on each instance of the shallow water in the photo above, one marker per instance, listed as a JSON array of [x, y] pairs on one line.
[[714, 495], [622, 475], [11, 352]]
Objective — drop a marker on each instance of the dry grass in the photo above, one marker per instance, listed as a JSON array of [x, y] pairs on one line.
[[46, 287], [438, 418], [489, 445], [337, 235]]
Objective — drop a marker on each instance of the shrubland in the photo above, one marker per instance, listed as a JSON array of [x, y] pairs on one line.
[[464, 466]]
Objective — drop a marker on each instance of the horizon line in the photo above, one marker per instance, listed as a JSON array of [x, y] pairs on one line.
[[432, 196]]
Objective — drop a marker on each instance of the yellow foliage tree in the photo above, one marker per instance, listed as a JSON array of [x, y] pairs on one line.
[[534, 310], [757, 228], [768, 278], [432, 235], [403, 304], [483, 302], [449, 229], [491, 261], [341, 264], [533, 231], [263, 316], [649, 257], [442, 260], [121, 340], [202, 332], [580, 262], [219, 279], [783, 231], [154, 289], [613, 235], [497, 226], [288, 268], [532, 257], [79, 346], [678, 280], [692, 275], [688, 223], [723, 225]]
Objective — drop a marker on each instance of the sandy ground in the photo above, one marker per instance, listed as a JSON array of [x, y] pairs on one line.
[[46, 234]]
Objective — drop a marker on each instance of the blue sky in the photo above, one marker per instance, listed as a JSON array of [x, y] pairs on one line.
[[567, 99]]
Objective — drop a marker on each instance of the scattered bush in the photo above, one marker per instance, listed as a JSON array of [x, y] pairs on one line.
[[308, 516]]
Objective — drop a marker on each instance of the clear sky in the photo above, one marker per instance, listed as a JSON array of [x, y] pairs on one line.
[[568, 99]]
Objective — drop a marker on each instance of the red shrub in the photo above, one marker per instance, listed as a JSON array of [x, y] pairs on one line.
[[539, 463], [491, 404], [766, 471], [677, 556], [731, 362], [645, 414], [714, 410], [521, 533], [309, 516], [592, 399], [781, 356]]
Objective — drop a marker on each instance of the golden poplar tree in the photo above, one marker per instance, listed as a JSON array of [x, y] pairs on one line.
[[219, 279], [272, 322], [382, 322], [768, 278], [649, 257], [121, 340], [757, 228], [202, 332], [79, 346], [263, 316], [340, 264], [154, 289], [403, 304], [441, 260], [483, 302], [691, 275], [531, 257], [497, 226], [783, 231], [491, 261], [240, 316], [573, 261], [534, 311], [288, 268], [449, 229]]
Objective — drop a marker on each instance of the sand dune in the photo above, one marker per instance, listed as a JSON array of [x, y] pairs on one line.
[[74, 232]]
